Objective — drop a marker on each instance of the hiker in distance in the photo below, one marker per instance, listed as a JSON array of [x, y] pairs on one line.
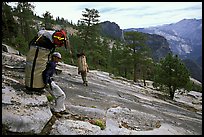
[[83, 67], [54, 90]]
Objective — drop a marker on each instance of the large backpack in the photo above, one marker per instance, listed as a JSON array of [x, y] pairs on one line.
[[37, 58], [36, 61], [82, 65]]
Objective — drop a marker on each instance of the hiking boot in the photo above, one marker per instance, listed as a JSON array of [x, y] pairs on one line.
[[34, 91], [64, 112], [57, 114], [85, 83]]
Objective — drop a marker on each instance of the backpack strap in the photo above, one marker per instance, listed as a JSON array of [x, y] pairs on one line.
[[51, 51], [38, 38], [33, 68]]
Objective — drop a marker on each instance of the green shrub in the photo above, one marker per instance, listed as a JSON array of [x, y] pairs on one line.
[[50, 98], [100, 123]]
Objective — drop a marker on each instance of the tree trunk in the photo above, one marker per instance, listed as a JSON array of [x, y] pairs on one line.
[[144, 82], [135, 65], [125, 72], [171, 93], [144, 78], [135, 77]]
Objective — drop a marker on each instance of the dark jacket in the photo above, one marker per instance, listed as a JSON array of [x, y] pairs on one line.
[[48, 72]]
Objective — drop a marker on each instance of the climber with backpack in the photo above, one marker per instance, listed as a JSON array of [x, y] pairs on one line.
[[39, 68], [40, 49]]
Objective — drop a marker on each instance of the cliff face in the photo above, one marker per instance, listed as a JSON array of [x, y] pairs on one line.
[[111, 29], [124, 107], [158, 45]]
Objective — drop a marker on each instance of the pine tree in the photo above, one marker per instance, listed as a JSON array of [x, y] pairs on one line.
[[88, 30], [136, 43], [9, 26], [48, 20], [172, 73], [24, 12]]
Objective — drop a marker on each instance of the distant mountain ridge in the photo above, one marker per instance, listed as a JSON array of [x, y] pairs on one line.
[[184, 37]]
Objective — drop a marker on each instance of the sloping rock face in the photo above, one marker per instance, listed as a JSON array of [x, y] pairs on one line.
[[121, 106], [24, 113]]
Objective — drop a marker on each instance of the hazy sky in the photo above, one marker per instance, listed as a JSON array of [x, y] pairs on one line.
[[125, 14]]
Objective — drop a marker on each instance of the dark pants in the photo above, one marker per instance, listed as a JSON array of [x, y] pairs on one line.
[[83, 75]]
